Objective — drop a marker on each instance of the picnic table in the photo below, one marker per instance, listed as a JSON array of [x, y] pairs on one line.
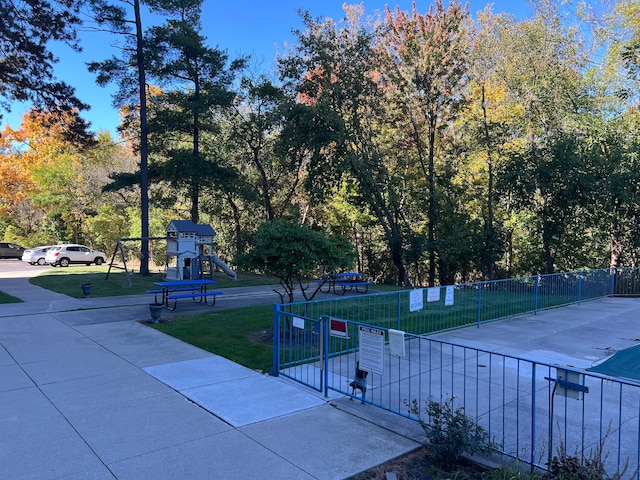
[[177, 289], [343, 282]]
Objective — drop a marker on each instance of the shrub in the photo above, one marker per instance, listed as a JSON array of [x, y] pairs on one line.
[[451, 433], [571, 467]]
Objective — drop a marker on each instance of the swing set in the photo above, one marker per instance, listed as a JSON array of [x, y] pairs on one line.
[[119, 249]]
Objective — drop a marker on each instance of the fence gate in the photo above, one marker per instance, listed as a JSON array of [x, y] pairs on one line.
[[298, 348]]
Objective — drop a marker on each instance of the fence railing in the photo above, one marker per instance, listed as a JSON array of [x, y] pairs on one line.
[[466, 304], [517, 400]]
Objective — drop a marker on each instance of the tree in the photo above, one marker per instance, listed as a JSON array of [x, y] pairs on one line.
[[489, 123], [196, 83], [551, 180], [295, 254], [42, 172], [337, 122], [131, 84], [426, 58], [540, 69], [617, 189], [26, 63], [269, 171], [629, 12]]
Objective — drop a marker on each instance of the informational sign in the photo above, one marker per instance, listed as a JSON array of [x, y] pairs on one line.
[[433, 294], [570, 384], [396, 342], [448, 298], [371, 341], [415, 300], [338, 328], [298, 323]]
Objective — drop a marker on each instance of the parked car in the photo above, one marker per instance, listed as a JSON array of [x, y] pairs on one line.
[[10, 250], [64, 255], [35, 255]]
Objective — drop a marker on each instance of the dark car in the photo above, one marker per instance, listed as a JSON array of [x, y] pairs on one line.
[[11, 250]]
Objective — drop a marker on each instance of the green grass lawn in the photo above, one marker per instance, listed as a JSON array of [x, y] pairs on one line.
[[243, 335]]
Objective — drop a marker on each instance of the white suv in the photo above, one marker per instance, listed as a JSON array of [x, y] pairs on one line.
[[64, 255]]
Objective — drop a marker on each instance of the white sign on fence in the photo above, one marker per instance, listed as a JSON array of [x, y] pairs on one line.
[[371, 341], [396, 342], [433, 294], [298, 323], [415, 300], [448, 298]]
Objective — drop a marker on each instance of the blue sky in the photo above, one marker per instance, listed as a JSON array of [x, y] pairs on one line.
[[255, 27]]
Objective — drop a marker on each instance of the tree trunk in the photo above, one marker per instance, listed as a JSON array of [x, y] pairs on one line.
[[195, 202], [432, 202], [616, 245], [546, 249], [195, 183], [144, 143]]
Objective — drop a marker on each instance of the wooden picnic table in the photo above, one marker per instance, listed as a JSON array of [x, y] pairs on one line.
[[177, 289]]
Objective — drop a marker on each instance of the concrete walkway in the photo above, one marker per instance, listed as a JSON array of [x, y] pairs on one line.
[[89, 392]]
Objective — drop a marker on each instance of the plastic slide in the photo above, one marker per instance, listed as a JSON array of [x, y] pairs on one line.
[[225, 268]]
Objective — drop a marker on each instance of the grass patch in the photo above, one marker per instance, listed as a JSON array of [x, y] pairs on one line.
[[68, 281], [6, 298], [243, 335]]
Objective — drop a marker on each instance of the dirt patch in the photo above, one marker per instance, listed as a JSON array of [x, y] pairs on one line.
[[262, 336], [417, 465]]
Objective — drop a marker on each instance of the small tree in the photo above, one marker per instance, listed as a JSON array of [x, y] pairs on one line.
[[294, 253]]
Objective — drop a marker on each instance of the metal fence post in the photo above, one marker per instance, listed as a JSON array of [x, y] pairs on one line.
[[479, 303], [398, 312], [580, 286], [275, 369], [533, 414], [612, 281], [324, 329]]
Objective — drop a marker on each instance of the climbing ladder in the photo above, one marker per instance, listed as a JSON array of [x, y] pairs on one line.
[[205, 266]]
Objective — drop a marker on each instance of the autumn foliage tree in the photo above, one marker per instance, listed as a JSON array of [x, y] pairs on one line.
[[425, 71], [41, 167]]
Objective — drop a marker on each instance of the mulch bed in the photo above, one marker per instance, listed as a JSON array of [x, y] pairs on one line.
[[417, 465]]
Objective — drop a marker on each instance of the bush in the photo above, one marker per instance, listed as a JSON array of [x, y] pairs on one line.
[[451, 433]]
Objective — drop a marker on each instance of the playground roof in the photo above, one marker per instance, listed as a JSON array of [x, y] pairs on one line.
[[202, 229]]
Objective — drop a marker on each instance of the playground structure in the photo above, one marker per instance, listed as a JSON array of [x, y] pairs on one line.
[[189, 252]]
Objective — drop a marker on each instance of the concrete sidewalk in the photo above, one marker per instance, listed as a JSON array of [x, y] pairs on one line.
[[88, 392]]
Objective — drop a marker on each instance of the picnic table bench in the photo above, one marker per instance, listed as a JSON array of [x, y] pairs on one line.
[[343, 282], [194, 289], [161, 292]]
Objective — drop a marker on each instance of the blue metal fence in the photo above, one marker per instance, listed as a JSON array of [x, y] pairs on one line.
[[518, 401]]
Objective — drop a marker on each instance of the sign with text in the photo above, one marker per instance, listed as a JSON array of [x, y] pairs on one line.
[[415, 300], [371, 341], [433, 294], [448, 296], [298, 323]]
